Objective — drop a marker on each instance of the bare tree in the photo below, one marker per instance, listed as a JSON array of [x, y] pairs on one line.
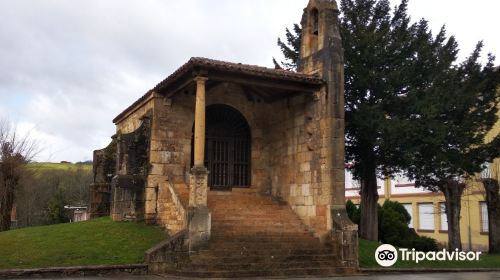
[[15, 152]]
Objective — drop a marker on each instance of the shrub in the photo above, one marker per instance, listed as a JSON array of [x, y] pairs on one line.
[[424, 243], [393, 220], [353, 212]]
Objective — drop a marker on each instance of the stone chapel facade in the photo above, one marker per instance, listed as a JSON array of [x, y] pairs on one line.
[[220, 127]]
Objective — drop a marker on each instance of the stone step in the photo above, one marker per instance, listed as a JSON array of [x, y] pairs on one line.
[[257, 221], [244, 239], [237, 234], [204, 258], [268, 265], [252, 217], [308, 244], [218, 252], [258, 228], [254, 236], [295, 272], [254, 214]]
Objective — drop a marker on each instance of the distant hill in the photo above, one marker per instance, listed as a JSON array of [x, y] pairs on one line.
[[59, 166]]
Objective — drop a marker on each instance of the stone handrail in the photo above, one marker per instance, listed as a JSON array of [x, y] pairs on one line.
[[168, 254], [344, 235], [179, 205]]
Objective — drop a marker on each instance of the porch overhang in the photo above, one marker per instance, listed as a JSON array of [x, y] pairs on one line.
[[265, 83]]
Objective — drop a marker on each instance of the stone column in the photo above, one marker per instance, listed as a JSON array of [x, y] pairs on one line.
[[199, 123], [199, 221]]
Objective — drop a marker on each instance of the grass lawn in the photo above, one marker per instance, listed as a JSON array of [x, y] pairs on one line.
[[367, 260], [102, 241], [99, 241]]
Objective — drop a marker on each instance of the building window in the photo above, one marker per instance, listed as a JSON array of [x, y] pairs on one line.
[[409, 209], [426, 216], [484, 216], [443, 217]]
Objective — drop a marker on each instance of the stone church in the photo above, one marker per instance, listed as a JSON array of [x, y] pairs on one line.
[[242, 165]]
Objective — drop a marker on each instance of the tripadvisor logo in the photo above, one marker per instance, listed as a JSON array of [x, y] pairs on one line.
[[387, 255]]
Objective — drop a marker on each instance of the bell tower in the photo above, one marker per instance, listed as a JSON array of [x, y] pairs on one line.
[[321, 45], [321, 54]]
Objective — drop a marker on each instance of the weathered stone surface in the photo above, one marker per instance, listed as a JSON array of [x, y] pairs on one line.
[[75, 271], [128, 198], [199, 227], [168, 254], [104, 168], [198, 187]]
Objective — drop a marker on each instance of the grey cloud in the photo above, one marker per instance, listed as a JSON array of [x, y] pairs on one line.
[[69, 67], [74, 65]]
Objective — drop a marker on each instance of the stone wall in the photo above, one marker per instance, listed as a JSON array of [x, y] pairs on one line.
[[133, 166], [168, 255], [170, 158], [147, 193], [132, 121], [296, 161], [104, 165], [71, 272]]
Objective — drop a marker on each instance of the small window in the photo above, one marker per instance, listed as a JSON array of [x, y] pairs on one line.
[[484, 216], [315, 21], [443, 217], [426, 216]]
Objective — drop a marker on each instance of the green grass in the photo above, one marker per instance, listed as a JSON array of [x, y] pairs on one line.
[[98, 241], [367, 260], [102, 241], [58, 166]]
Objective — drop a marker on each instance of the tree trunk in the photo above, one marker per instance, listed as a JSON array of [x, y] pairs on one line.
[[369, 206], [452, 191], [6, 203], [493, 201]]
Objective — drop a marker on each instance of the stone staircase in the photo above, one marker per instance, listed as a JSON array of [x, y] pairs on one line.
[[254, 236]]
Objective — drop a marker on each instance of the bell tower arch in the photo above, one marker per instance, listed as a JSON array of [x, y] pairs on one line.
[[321, 42]]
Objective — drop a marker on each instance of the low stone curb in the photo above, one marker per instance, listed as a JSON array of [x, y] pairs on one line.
[[94, 270], [424, 270]]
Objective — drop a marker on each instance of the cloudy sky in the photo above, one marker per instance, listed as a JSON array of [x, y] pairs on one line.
[[67, 68]]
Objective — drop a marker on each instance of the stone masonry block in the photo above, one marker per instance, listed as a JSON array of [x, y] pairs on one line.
[[306, 166], [293, 190], [306, 189], [298, 200], [311, 211], [309, 200]]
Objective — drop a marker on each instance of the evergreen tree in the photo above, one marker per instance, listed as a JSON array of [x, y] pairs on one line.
[[379, 50], [449, 120], [290, 50], [389, 65]]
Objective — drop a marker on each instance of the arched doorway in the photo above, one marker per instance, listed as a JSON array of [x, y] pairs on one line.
[[227, 148]]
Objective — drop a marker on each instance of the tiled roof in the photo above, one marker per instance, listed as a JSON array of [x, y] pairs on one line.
[[239, 68]]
